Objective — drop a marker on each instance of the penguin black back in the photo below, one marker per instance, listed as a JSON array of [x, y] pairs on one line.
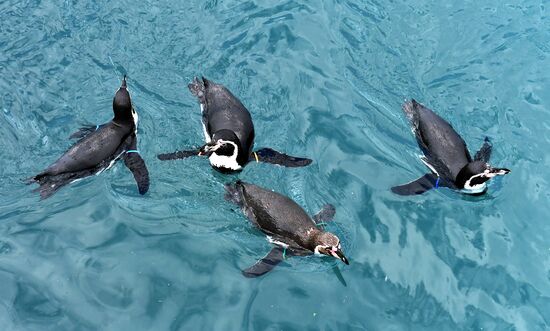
[[447, 156], [437, 137], [275, 213], [229, 132], [286, 224], [97, 149]]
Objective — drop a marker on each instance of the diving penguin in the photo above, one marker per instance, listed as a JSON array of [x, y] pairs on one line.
[[446, 155], [229, 132], [286, 225], [97, 149]]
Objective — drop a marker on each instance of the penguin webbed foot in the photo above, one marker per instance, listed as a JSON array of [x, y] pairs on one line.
[[136, 164], [418, 186], [83, 131], [267, 263], [326, 214], [484, 153], [177, 155], [269, 155]]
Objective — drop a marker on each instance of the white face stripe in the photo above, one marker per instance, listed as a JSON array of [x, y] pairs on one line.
[[316, 250], [222, 161], [478, 188]]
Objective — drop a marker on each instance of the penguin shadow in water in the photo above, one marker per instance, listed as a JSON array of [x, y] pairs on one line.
[[286, 225], [447, 156], [98, 148], [228, 132]]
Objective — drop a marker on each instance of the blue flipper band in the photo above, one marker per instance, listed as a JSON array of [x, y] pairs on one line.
[[96, 127], [437, 182], [321, 224], [284, 253], [132, 151]]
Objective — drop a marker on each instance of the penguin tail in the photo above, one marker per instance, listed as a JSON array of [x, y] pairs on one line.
[[29, 180], [46, 190], [198, 88], [50, 184], [233, 193]]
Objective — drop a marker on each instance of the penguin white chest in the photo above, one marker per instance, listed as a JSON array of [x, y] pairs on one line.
[[135, 117]]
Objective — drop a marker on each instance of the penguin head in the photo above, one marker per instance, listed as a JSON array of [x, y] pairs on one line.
[[473, 177], [327, 243], [223, 151], [122, 106]]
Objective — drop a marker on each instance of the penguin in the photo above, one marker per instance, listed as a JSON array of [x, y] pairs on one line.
[[228, 132], [286, 224], [97, 149], [446, 155]]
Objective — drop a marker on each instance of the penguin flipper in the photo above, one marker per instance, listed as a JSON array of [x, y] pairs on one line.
[[326, 214], [484, 153], [177, 155], [137, 166], [269, 155], [419, 186], [84, 131], [266, 264]]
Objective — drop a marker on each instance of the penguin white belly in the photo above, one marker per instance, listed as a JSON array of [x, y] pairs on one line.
[[276, 242], [110, 164], [206, 135]]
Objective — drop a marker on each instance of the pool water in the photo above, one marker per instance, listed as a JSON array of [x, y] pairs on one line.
[[322, 79]]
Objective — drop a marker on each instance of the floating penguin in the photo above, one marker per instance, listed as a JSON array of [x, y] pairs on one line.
[[286, 225], [229, 132], [98, 149], [447, 156]]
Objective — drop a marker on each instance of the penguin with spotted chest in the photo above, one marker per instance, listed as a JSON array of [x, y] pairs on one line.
[[229, 132], [98, 148], [286, 224], [446, 155]]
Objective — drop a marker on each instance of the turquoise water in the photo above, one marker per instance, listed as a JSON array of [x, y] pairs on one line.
[[323, 79]]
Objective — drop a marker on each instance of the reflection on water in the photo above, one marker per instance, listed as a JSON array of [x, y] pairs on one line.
[[324, 80]]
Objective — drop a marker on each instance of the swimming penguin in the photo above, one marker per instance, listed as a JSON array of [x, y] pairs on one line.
[[229, 132], [97, 149], [446, 155], [286, 225]]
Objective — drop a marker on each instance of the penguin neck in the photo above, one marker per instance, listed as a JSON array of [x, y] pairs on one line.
[[312, 238], [230, 136], [474, 168], [463, 175], [123, 122]]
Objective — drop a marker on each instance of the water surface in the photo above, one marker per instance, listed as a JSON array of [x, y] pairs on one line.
[[324, 79]]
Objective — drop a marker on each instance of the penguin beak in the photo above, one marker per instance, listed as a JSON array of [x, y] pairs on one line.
[[497, 172], [123, 85], [337, 253], [500, 171], [207, 149]]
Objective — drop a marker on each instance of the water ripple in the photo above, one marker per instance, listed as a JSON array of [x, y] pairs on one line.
[[325, 80]]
